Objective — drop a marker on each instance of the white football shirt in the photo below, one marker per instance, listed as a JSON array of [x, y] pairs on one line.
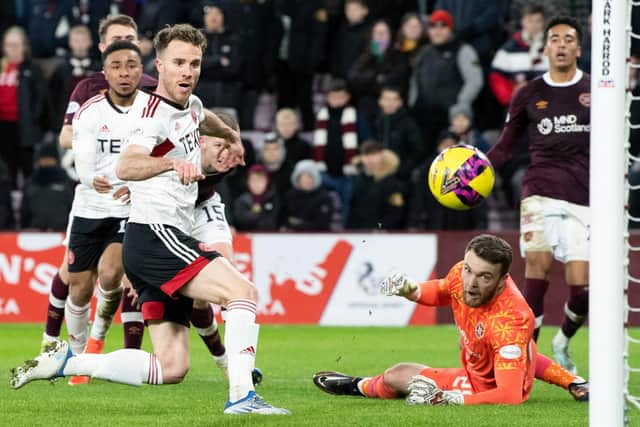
[[100, 130], [169, 130]]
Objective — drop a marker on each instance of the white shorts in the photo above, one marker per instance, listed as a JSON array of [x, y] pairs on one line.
[[210, 222], [65, 242], [557, 226]]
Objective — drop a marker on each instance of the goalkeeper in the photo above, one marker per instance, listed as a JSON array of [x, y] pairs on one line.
[[498, 353]]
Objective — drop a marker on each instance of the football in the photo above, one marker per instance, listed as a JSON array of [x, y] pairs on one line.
[[461, 177]]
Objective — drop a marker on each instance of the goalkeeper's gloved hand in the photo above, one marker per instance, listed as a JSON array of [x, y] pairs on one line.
[[425, 391], [398, 284]]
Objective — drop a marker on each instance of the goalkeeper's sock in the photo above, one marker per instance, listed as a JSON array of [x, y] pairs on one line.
[[127, 366], [206, 326], [55, 312], [575, 310], [375, 387], [108, 302], [77, 321], [534, 291], [549, 371], [132, 323], [241, 337]]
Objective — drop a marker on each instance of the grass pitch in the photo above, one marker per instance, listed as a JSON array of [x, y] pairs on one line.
[[288, 357]]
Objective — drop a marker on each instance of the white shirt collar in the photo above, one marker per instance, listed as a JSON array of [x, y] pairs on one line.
[[576, 78]]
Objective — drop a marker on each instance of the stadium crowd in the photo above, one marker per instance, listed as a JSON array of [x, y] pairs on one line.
[[343, 103]]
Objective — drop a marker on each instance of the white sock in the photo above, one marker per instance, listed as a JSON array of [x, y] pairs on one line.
[[108, 303], [560, 340], [77, 319], [241, 340], [127, 366]]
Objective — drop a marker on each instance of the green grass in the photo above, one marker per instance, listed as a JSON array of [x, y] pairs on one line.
[[288, 356]]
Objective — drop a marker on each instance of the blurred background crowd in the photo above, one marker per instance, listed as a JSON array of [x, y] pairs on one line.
[[342, 104]]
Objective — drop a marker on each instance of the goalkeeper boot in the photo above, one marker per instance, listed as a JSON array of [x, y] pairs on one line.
[[47, 365], [579, 390], [253, 404], [93, 346], [337, 383], [560, 350]]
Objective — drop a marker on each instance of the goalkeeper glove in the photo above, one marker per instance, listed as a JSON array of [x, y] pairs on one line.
[[424, 391], [399, 284]]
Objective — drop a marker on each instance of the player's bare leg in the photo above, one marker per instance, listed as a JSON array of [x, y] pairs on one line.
[[58, 293], [537, 268], [575, 312], [171, 346], [220, 283]]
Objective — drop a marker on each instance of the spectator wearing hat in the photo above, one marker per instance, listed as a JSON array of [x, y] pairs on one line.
[[259, 208], [396, 129], [462, 131], [335, 142], [521, 58], [48, 195], [274, 159], [288, 127], [220, 83], [447, 74], [378, 201], [308, 205]]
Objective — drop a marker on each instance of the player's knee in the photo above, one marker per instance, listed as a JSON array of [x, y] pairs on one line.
[[199, 304], [174, 368], [243, 290], [80, 291]]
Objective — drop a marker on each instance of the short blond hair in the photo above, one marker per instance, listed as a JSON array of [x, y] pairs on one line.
[[80, 29], [286, 113]]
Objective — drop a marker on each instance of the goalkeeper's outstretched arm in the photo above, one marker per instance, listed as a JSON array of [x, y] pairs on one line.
[[432, 292]]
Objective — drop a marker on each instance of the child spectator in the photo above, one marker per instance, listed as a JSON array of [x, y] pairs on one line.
[[378, 195], [259, 208], [77, 65], [396, 129], [351, 38], [335, 142], [288, 126], [461, 129], [308, 206], [274, 159], [48, 195]]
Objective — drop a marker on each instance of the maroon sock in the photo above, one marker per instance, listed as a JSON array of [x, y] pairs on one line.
[[534, 291], [576, 309], [202, 320], [132, 324], [55, 311]]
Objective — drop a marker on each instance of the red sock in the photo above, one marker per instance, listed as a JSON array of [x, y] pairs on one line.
[[375, 387], [55, 310]]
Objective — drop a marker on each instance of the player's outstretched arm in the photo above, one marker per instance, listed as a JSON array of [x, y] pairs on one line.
[[508, 389], [213, 126], [135, 164], [399, 284]]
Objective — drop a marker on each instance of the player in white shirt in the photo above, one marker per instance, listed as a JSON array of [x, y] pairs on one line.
[[100, 128], [166, 266]]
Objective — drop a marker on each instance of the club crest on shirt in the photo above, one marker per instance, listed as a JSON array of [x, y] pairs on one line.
[[479, 330], [585, 99], [71, 257], [194, 116], [177, 126]]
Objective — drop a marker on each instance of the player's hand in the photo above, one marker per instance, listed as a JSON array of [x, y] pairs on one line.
[[134, 297], [425, 391], [123, 194], [101, 184], [398, 284], [187, 171]]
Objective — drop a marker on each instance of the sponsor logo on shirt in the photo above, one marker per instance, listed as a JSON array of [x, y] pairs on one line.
[[585, 99], [510, 351], [566, 123]]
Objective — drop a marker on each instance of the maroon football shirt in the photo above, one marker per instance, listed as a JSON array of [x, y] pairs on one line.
[[93, 85], [555, 117]]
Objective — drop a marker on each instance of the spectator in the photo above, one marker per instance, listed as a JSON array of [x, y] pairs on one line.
[[521, 58], [308, 205], [412, 35], [393, 10], [578, 9], [6, 209], [46, 23], [379, 65], [378, 195], [48, 196], [22, 104], [446, 73], [584, 60], [461, 129], [478, 23], [274, 159], [425, 213], [259, 208], [157, 14], [287, 126], [335, 142], [220, 79], [398, 131], [351, 38], [77, 65], [300, 37]]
